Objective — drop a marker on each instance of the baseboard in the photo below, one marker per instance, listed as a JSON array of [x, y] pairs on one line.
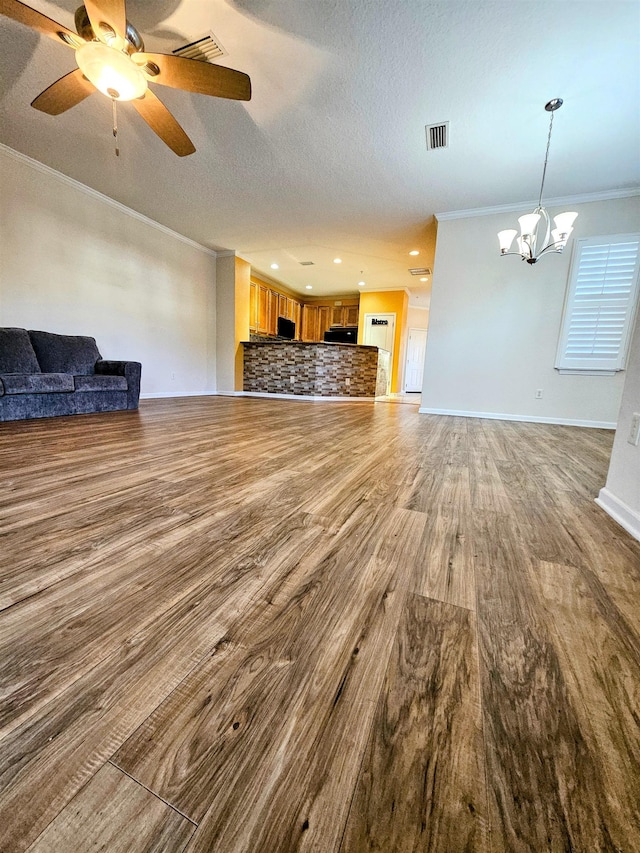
[[306, 398], [529, 419], [620, 512], [158, 395]]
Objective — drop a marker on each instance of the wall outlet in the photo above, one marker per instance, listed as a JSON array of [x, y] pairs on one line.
[[539, 394], [173, 376], [634, 431], [347, 381], [292, 379]]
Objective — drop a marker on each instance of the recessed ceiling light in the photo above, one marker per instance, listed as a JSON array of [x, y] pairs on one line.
[[309, 286], [424, 278], [275, 267], [414, 252], [337, 260], [361, 284]]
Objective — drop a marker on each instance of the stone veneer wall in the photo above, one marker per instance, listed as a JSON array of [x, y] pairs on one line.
[[319, 370]]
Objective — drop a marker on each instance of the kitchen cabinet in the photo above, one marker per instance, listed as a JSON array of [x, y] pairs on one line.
[[273, 312], [325, 315], [263, 310], [253, 307]]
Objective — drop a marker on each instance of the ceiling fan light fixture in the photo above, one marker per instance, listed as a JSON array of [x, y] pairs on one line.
[[112, 72]]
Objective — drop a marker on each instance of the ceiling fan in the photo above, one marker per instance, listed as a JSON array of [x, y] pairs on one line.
[[111, 59]]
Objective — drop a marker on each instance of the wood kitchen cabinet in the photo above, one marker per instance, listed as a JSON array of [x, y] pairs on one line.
[[325, 316], [309, 323], [267, 304], [351, 315], [312, 320], [273, 312], [345, 315], [263, 310], [253, 307]]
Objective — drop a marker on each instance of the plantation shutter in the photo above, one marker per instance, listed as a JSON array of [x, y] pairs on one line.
[[599, 308]]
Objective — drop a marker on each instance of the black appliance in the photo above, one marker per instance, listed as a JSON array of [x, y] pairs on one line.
[[286, 328], [341, 335]]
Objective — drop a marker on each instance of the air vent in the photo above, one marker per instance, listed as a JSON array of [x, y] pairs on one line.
[[206, 49], [307, 263], [437, 135], [420, 271]]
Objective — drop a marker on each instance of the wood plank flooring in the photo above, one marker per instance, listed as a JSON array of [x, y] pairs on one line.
[[255, 626]]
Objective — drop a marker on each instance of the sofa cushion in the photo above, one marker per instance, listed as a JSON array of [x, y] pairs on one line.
[[75, 354], [16, 353], [100, 383], [36, 383]]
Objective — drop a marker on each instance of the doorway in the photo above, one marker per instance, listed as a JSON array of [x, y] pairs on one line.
[[414, 366], [379, 331]]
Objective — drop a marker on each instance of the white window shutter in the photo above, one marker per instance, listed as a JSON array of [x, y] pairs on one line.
[[600, 302]]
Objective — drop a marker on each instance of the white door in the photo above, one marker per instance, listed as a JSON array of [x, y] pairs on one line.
[[379, 331], [416, 346]]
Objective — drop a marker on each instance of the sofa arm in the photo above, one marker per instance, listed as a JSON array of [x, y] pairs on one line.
[[131, 370]]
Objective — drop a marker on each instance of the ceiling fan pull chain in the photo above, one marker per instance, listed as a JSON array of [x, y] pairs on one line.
[[115, 125]]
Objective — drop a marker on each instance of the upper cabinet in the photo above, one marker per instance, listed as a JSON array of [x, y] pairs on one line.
[[351, 315], [267, 304], [317, 318], [312, 319], [345, 315]]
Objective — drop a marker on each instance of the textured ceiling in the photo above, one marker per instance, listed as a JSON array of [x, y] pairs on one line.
[[329, 158]]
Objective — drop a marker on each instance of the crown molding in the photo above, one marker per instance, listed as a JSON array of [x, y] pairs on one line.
[[515, 207], [71, 182], [402, 287]]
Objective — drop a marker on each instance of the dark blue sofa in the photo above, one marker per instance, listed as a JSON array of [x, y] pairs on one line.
[[43, 375]]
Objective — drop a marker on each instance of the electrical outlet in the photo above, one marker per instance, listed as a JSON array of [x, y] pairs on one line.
[[634, 432], [292, 379], [347, 381], [173, 376], [539, 394]]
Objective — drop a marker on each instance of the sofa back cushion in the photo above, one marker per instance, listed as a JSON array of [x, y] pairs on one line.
[[16, 353], [73, 354]]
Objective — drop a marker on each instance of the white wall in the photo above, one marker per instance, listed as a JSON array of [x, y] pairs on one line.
[[621, 496], [73, 262], [225, 340], [494, 323], [417, 318]]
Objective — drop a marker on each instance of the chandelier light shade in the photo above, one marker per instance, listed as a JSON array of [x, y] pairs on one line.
[[537, 238]]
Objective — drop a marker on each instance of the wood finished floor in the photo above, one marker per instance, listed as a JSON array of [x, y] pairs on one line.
[[251, 626]]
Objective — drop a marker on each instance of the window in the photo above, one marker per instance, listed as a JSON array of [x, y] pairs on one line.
[[600, 304]]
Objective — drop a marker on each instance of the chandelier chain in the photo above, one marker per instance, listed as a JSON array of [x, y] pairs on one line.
[[546, 157]]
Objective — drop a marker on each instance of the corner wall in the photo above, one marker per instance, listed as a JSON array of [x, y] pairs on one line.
[[74, 262], [494, 324], [621, 495], [232, 300]]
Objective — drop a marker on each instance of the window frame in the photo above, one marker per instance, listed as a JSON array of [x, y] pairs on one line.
[[596, 366]]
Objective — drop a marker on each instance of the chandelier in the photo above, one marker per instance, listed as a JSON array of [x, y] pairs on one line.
[[537, 238]]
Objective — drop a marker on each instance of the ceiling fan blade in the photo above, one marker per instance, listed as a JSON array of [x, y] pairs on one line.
[[110, 13], [64, 93], [160, 120], [194, 75], [30, 18]]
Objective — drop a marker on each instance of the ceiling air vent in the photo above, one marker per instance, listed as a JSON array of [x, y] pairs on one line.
[[206, 49], [437, 135], [420, 271], [307, 263]]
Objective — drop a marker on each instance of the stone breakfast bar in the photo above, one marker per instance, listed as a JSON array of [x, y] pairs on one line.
[[315, 370]]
